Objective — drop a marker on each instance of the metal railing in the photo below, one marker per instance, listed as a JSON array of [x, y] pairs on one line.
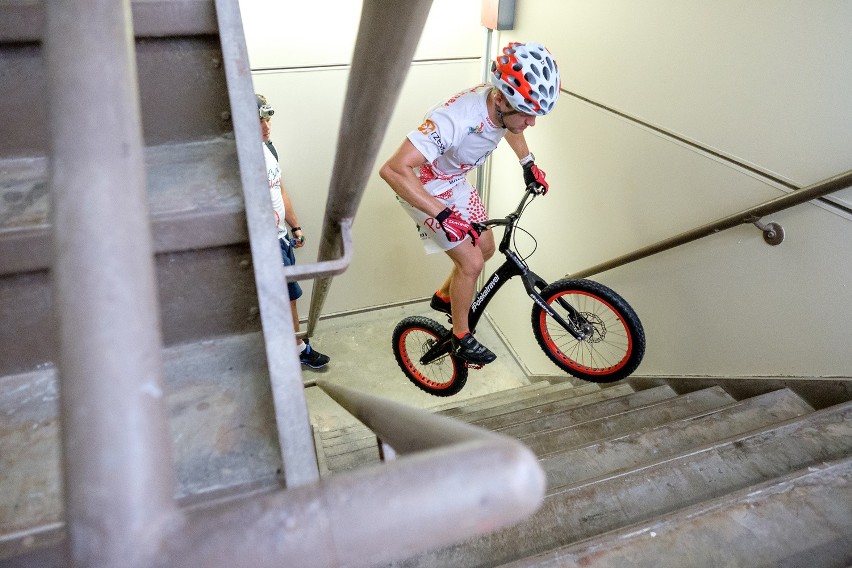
[[371, 96], [751, 215], [119, 483], [285, 371]]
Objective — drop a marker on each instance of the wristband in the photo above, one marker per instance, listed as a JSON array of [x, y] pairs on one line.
[[528, 159], [442, 216]]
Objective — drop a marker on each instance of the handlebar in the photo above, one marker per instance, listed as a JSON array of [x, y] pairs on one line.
[[530, 192]]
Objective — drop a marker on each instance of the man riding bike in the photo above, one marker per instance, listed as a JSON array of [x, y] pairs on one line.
[[428, 172]]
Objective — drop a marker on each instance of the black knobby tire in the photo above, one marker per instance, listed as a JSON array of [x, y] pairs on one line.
[[414, 336], [614, 349]]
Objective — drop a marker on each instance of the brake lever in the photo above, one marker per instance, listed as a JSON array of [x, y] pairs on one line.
[[535, 188]]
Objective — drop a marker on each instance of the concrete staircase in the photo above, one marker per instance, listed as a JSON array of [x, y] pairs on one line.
[[638, 474], [644, 476], [197, 215], [216, 378]]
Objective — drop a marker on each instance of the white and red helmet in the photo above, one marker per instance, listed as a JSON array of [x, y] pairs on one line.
[[527, 75]]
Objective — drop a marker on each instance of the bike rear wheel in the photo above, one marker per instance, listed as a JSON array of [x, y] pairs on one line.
[[616, 344], [412, 338]]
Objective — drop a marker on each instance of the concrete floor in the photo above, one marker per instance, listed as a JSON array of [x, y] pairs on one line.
[[360, 348]]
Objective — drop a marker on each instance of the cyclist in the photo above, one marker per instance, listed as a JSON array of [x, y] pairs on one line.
[[285, 215], [428, 172]]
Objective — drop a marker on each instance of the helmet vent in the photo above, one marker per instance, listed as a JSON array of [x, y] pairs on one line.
[[528, 77]]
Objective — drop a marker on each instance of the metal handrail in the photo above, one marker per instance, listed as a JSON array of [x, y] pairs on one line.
[[291, 411], [463, 481], [750, 215]]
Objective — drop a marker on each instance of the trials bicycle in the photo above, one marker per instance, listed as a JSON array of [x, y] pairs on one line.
[[585, 328]]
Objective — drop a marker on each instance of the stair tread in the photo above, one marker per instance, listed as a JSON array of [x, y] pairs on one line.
[[561, 413], [185, 181], [631, 450], [803, 518], [531, 417], [498, 397], [497, 407], [357, 438], [221, 417], [602, 504], [692, 404]]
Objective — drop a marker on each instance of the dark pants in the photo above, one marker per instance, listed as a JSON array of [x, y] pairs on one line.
[[289, 259]]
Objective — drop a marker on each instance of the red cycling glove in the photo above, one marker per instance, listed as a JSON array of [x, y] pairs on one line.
[[534, 174], [455, 227]]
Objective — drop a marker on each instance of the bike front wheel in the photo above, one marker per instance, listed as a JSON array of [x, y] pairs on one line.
[[615, 341], [412, 338]]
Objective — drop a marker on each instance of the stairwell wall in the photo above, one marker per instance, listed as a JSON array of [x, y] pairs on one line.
[[300, 54], [765, 85]]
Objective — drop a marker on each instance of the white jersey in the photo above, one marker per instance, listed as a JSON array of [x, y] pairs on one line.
[[273, 176], [455, 137]]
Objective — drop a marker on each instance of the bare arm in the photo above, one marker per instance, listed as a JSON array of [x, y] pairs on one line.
[[518, 144], [291, 218], [398, 172]]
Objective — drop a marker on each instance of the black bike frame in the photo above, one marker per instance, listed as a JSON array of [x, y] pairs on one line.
[[513, 266]]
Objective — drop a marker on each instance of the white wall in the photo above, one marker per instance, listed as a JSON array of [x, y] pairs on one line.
[[299, 53], [763, 82]]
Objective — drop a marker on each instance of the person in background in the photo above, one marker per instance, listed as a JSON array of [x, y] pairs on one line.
[[428, 172], [285, 215]]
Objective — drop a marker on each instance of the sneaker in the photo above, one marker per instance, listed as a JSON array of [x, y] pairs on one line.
[[439, 304], [470, 350], [313, 358]]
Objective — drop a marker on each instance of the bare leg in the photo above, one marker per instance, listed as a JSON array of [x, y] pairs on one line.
[[460, 285], [295, 313], [444, 290]]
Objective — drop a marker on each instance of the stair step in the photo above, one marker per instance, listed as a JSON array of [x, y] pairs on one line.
[[491, 399], [634, 449], [221, 417], [568, 411], [692, 404], [801, 519], [560, 391], [563, 391], [199, 234], [355, 446], [580, 511], [194, 198]]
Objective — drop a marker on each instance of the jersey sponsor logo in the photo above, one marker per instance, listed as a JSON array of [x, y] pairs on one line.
[[476, 129], [436, 138], [427, 128]]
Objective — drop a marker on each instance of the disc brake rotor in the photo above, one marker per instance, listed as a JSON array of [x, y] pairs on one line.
[[594, 327]]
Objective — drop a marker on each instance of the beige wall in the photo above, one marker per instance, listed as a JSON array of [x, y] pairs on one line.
[[765, 83], [299, 54]]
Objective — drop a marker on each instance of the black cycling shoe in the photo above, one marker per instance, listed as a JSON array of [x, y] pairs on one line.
[[470, 350], [313, 358], [440, 304]]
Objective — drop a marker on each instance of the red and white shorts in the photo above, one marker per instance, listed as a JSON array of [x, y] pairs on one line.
[[463, 199]]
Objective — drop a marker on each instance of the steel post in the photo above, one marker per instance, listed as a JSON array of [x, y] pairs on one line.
[[116, 446]]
